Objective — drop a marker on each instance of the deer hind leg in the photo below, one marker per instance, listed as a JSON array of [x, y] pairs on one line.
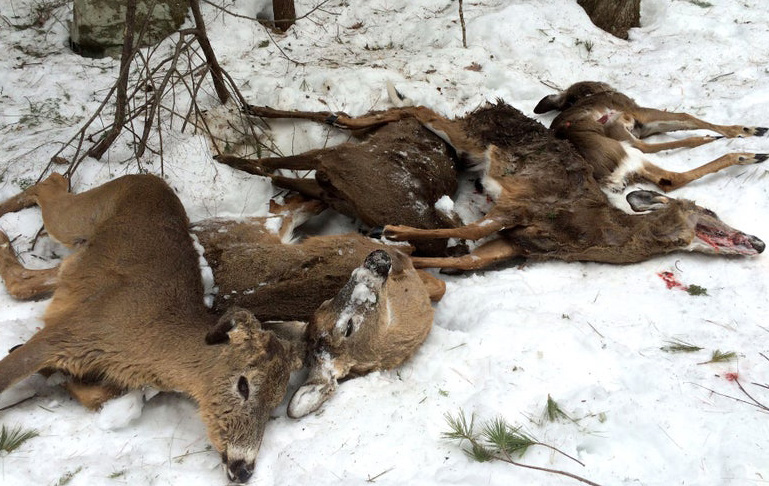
[[308, 187], [23, 283], [657, 121], [340, 120], [621, 130], [668, 180], [24, 360], [494, 251]]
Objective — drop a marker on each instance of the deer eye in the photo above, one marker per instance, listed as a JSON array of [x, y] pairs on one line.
[[243, 387], [350, 328]]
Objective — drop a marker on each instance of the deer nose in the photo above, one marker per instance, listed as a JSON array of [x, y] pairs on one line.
[[239, 471], [757, 244], [379, 262]]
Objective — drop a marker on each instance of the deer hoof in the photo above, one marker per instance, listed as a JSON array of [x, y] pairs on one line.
[[376, 233], [760, 131], [760, 158]]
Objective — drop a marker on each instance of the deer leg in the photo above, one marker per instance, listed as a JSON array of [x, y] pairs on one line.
[[689, 142], [23, 283], [91, 395], [308, 187], [668, 180], [18, 202], [657, 121], [24, 360], [474, 231], [303, 161], [340, 120], [485, 255], [436, 287]]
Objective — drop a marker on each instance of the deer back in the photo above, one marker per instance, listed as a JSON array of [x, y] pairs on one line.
[[395, 176], [276, 281]]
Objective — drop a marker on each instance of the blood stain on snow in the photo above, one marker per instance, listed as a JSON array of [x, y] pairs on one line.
[[671, 281]]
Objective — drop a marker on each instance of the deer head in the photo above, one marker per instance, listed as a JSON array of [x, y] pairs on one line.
[[703, 229], [568, 97], [375, 322], [247, 381]]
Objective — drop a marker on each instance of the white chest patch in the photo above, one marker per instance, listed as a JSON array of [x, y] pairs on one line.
[[631, 164]]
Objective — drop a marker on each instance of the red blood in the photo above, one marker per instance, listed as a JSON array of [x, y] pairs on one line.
[[731, 376], [603, 119], [671, 282]]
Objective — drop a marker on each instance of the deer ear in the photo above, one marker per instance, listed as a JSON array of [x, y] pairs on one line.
[[549, 103], [236, 325], [647, 201]]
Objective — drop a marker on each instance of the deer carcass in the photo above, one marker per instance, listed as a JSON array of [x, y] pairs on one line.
[[607, 127], [127, 311], [395, 175], [547, 205], [361, 318]]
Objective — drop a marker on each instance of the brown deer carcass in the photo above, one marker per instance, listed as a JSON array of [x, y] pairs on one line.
[[606, 126], [127, 311], [395, 175], [546, 203], [361, 318]]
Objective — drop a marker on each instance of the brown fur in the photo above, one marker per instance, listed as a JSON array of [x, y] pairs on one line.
[[355, 178], [312, 280], [127, 312], [547, 203], [602, 122]]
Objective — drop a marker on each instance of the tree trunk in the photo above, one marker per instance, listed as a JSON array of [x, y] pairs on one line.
[[285, 14], [612, 16]]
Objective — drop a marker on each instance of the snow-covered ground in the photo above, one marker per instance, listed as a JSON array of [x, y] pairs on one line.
[[589, 335]]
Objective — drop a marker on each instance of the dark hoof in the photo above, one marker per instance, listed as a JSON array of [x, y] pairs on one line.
[[757, 244], [760, 131], [761, 157], [376, 232]]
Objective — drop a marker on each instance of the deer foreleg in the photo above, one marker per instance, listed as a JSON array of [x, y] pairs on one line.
[[658, 121], [485, 255], [23, 283], [668, 180], [474, 231]]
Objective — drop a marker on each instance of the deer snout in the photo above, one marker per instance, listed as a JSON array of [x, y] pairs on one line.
[[379, 262], [240, 471], [757, 243]]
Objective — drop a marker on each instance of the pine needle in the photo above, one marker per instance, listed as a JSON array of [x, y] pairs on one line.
[[720, 357], [553, 411], [460, 429], [10, 440], [507, 439], [679, 346]]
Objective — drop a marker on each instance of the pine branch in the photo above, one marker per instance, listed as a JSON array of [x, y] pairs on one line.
[[10, 440], [720, 357], [499, 441]]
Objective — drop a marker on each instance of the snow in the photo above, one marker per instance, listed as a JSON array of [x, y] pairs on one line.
[[589, 335]]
